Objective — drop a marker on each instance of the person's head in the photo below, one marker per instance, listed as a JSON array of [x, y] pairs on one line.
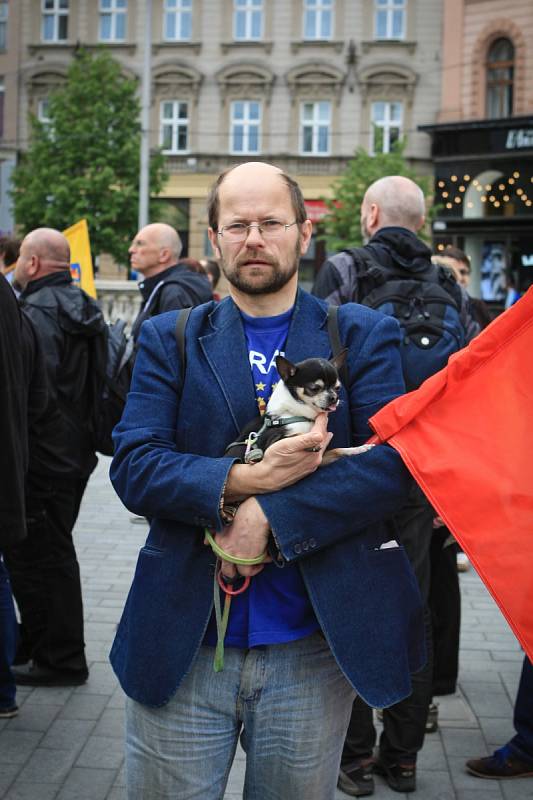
[[155, 248], [193, 265], [9, 253], [212, 270], [258, 262], [42, 252], [458, 261], [393, 201]]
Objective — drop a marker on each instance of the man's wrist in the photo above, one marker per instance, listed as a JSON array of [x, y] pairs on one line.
[[244, 480]]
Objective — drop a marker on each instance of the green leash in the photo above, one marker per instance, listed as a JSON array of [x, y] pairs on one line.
[[222, 617]]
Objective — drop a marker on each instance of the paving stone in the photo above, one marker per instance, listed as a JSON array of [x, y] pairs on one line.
[[84, 706], [17, 746], [26, 790], [434, 785], [87, 784], [49, 695], [466, 743], [462, 781], [111, 723], [67, 734], [492, 704], [48, 766], [119, 793], [496, 731], [519, 789], [8, 773], [103, 752], [432, 756], [34, 716], [491, 792]]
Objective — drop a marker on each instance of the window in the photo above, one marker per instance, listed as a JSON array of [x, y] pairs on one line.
[[315, 128], [54, 20], [390, 19], [2, 93], [177, 20], [4, 11], [318, 19], [500, 76], [43, 111], [113, 20], [386, 126], [245, 126], [174, 136], [248, 20]]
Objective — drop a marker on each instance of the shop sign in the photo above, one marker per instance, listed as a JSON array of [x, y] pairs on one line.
[[521, 137]]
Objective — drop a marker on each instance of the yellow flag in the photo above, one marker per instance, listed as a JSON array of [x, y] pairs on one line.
[[81, 263]]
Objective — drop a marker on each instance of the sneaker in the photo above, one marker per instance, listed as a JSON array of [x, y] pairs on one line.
[[9, 713], [500, 765], [357, 781], [400, 777], [463, 564], [432, 722]]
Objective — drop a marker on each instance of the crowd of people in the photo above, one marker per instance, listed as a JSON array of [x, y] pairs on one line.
[[344, 586]]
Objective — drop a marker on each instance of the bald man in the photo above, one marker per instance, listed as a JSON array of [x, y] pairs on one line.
[[167, 285], [340, 614], [44, 568], [392, 214]]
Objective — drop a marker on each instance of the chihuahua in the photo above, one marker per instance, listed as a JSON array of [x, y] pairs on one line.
[[305, 389]]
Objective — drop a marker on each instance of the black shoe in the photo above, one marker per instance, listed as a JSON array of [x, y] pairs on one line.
[[500, 765], [400, 777], [34, 675], [9, 713], [357, 781]]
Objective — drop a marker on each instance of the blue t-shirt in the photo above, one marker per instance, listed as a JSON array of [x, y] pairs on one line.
[[275, 608]]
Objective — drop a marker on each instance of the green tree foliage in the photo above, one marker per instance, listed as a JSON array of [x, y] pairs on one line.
[[85, 162], [341, 227]]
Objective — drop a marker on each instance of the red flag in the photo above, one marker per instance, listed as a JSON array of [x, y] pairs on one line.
[[466, 436]]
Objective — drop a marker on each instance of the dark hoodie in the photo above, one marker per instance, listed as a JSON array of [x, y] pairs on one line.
[[174, 288], [67, 321], [399, 250]]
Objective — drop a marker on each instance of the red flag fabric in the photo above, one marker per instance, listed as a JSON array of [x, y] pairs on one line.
[[466, 436]]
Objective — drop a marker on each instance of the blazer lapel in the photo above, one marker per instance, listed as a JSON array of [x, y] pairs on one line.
[[227, 354], [308, 334]]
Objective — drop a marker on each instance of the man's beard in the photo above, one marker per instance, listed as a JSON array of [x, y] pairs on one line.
[[274, 280]]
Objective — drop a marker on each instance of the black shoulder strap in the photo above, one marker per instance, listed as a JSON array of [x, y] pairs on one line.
[[181, 324], [335, 340]]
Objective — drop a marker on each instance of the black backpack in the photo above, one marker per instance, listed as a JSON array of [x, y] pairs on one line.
[[427, 305], [113, 359]]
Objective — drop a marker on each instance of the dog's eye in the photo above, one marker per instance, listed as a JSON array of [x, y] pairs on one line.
[[314, 387]]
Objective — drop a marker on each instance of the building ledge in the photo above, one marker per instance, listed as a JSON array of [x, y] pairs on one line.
[[323, 44], [191, 47], [388, 44], [228, 47]]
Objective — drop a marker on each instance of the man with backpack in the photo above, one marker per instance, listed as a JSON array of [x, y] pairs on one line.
[[44, 569], [393, 273], [167, 285]]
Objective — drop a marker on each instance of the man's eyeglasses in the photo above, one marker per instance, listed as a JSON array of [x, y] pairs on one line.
[[269, 229]]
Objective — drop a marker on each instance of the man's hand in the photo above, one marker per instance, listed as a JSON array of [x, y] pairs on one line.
[[284, 463], [246, 537]]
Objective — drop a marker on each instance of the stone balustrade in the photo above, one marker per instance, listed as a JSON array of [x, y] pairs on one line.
[[118, 299]]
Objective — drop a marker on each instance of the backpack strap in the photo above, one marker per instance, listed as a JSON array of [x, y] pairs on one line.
[[335, 340], [181, 324]]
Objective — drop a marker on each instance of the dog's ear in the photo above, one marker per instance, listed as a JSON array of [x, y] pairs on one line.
[[339, 359], [285, 368]]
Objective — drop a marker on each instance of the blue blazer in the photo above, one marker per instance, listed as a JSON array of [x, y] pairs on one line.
[[168, 466]]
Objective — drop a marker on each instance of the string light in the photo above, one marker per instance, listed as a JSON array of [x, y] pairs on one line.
[[466, 177], [483, 198], [441, 184], [453, 178], [511, 181], [449, 205], [456, 199], [516, 174], [462, 188]]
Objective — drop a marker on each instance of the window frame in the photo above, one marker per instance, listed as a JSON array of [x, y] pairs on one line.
[[319, 8], [388, 8], [56, 13], [181, 10], [4, 17], [175, 123], [386, 125], [247, 123], [113, 11], [315, 124], [498, 88], [248, 10]]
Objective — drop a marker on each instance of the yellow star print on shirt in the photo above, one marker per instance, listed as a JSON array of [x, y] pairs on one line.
[[260, 386]]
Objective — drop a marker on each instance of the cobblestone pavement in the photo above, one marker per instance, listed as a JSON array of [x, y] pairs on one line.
[[68, 743]]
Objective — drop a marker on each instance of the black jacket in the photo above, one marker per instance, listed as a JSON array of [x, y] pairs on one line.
[[392, 248], [174, 288], [66, 320], [23, 398]]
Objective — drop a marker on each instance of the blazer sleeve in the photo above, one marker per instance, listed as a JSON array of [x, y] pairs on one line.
[[150, 475], [355, 492]]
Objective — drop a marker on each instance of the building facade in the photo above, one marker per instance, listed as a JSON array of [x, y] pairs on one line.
[[482, 144], [300, 83], [9, 107]]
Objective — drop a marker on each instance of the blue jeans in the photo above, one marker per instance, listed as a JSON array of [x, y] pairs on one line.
[[8, 639], [289, 704], [522, 744]]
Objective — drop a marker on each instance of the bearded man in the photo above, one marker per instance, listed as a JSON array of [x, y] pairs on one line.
[[340, 615]]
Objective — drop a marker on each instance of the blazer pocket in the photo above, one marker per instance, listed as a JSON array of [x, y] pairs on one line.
[[150, 550]]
